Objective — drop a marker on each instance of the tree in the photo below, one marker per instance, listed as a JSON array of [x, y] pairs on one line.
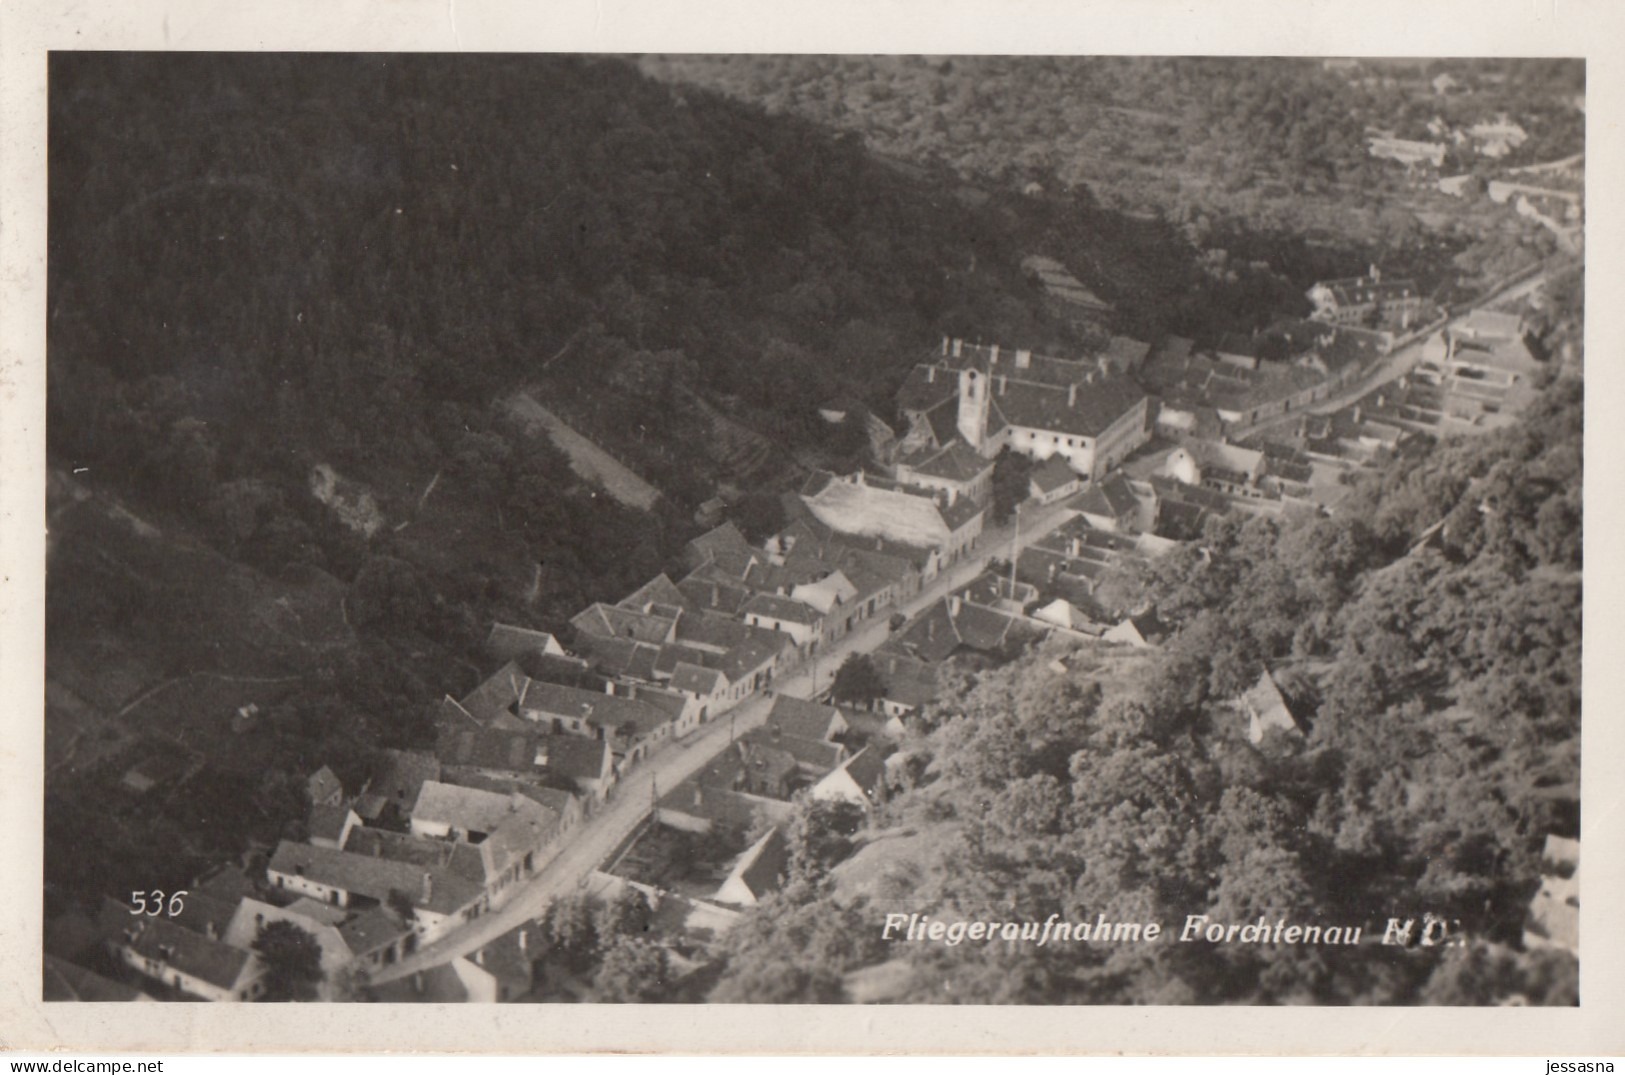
[[634, 971], [857, 681], [626, 914], [570, 924], [293, 961], [821, 834], [1011, 474]]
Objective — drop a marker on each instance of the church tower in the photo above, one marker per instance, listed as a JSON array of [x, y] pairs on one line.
[[973, 404]]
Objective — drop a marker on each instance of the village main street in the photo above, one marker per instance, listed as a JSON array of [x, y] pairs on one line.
[[589, 845]]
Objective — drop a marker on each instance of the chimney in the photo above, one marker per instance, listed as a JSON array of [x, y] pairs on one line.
[[524, 938], [945, 345], [930, 375], [1077, 548], [953, 496], [417, 981], [1023, 359], [428, 887], [479, 957], [609, 686], [930, 630], [958, 347], [857, 479], [993, 354], [716, 593], [953, 606], [1376, 275], [210, 931], [1072, 395], [1002, 381]]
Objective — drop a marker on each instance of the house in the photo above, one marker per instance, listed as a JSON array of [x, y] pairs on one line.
[[956, 468], [329, 826], [760, 871], [1110, 505], [1357, 300], [586, 763], [453, 812], [438, 896], [62, 980], [396, 777], [377, 937], [866, 506], [509, 642], [1052, 480], [253, 915], [953, 626], [628, 723], [1267, 711], [324, 788], [1141, 631], [802, 622], [861, 780], [167, 952], [1553, 920], [693, 806], [805, 720], [724, 546], [1063, 613], [911, 684]]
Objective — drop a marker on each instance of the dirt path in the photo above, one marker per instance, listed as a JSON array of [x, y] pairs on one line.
[[597, 838], [586, 458]]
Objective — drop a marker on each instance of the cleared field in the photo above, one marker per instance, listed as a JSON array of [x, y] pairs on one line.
[[586, 458]]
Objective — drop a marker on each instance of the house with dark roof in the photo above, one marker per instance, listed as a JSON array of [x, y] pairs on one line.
[[169, 953], [1053, 480], [802, 719], [861, 779], [1267, 711], [1110, 504], [512, 958], [439, 896], [1359, 299], [693, 806], [456, 982], [952, 468], [398, 774], [952, 626], [377, 937], [329, 825], [760, 870], [911, 683], [509, 642], [802, 622], [324, 788]]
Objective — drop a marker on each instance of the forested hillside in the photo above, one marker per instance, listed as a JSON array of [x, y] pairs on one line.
[[1436, 671]]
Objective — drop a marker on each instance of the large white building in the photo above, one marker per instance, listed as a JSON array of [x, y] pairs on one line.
[[1084, 411]]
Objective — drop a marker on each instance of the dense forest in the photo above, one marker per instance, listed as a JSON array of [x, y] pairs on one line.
[[1436, 669]]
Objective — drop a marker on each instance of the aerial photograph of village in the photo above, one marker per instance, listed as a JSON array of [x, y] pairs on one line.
[[572, 528]]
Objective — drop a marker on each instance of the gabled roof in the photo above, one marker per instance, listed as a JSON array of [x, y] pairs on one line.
[[659, 590], [496, 695], [787, 609], [1267, 709], [695, 680], [172, 944], [804, 719], [763, 866], [926, 386], [724, 545], [607, 711], [252, 915], [1053, 473], [487, 748], [867, 768], [327, 822], [322, 783], [619, 656], [575, 756], [508, 641], [955, 462], [374, 878], [611, 621], [909, 681], [398, 774], [1051, 408], [703, 590], [372, 929], [1109, 497], [819, 754], [464, 808]]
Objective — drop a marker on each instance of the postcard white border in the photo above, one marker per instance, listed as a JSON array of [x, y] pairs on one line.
[[1584, 28]]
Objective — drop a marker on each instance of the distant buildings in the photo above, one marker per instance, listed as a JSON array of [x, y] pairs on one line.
[[1365, 300]]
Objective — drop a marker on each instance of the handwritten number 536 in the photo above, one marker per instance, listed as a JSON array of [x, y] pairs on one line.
[[152, 903]]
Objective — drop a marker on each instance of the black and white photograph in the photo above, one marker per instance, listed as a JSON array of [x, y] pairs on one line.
[[812, 528]]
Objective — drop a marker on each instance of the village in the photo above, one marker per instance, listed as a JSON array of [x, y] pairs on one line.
[[661, 751]]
